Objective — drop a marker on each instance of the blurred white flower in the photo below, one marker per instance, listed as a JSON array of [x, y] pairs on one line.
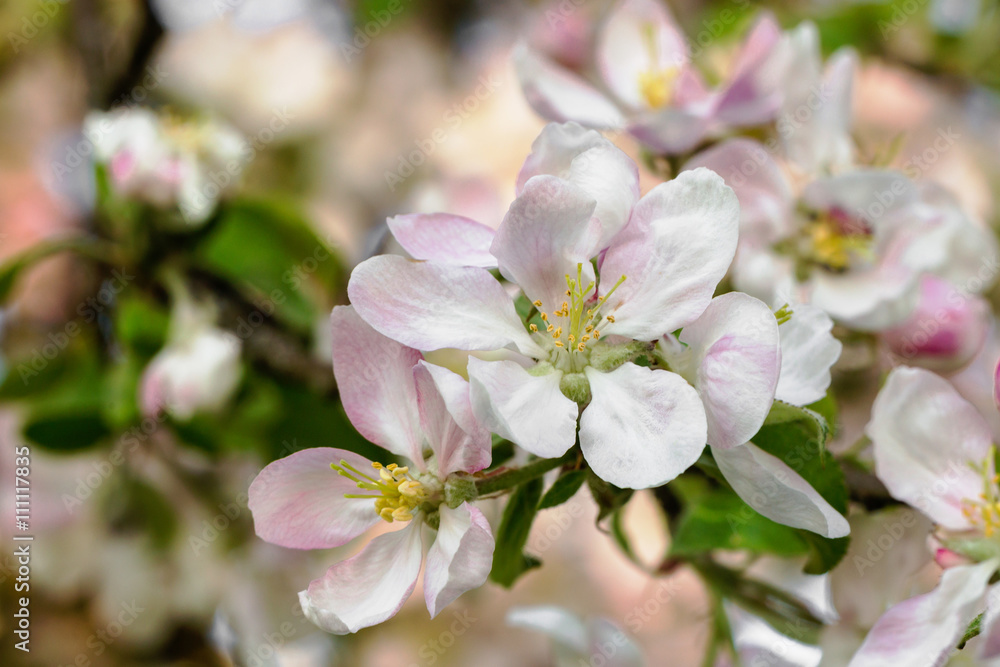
[[166, 162]]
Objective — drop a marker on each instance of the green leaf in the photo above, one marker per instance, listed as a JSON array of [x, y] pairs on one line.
[[719, 519], [66, 431], [798, 437], [141, 324], [271, 254], [563, 489], [509, 559]]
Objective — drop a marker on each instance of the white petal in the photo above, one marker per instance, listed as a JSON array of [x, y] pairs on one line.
[[528, 410], [457, 438], [808, 351], [558, 94], [548, 231], [642, 427], [375, 379], [989, 645], [734, 345], [432, 306], [921, 631], [298, 501], [675, 250], [558, 623], [588, 160], [444, 238], [367, 588], [776, 491], [460, 558], [757, 643], [924, 437]]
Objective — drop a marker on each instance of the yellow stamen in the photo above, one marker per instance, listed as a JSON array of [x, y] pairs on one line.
[[396, 494]]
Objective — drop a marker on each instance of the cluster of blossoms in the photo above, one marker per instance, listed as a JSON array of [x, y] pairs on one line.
[[167, 162], [637, 335]]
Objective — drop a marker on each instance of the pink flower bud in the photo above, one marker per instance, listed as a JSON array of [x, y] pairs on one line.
[[946, 330], [946, 558]]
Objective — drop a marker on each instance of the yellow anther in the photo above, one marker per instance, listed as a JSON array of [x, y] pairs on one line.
[[589, 328], [569, 293], [396, 494], [536, 304], [533, 327], [657, 86], [572, 338], [545, 318], [392, 466], [597, 334], [983, 511], [585, 339], [401, 514], [558, 343], [386, 513], [385, 475], [581, 347], [610, 318], [557, 333], [376, 465]]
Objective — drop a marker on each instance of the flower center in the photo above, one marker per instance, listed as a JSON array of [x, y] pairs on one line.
[[833, 240], [657, 86], [984, 511], [397, 493], [578, 321]]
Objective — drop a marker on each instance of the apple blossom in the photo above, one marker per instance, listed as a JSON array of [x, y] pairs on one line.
[[164, 161], [640, 426], [325, 497], [198, 370], [945, 332], [654, 91]]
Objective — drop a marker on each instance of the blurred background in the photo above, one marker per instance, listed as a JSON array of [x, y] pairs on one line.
[[144, 551]]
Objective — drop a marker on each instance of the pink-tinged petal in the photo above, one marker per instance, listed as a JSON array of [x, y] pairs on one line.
[[945, 332], [460, 558], [367, 588], [528, 410], [764, 194], [558, 94], [298, 501], [776, 491], [444, 238], [588, 160], [736, 354], [673, 253], [547, 232], [863, 196], [808, 352], [923, 630], [375, 379], [555, 622], [867, 300], [924, 437], [643, 427], [639, 37], [457, 438], [432, 306], [673, 131], [755, 93]]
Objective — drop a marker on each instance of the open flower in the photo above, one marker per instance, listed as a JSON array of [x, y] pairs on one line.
[[643, 61], [323, 497], [641, 425], [166, 162], [820, 228], [934, 451]]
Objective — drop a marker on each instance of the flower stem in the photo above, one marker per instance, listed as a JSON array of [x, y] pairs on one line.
[[508, 479]]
